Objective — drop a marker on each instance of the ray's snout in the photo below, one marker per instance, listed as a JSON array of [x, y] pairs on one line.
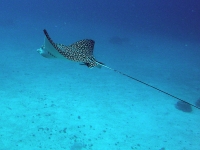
[[44, 53]]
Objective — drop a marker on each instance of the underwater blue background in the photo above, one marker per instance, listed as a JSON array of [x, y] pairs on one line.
[[58, 104]]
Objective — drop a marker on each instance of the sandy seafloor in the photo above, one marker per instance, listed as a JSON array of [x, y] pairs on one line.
[[56, 104]]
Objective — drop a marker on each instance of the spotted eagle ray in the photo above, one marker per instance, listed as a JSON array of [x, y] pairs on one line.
[[82, 51]]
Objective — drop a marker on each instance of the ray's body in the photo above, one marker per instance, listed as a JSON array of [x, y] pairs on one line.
[[82, 51]]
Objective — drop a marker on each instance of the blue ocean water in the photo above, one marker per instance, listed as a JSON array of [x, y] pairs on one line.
[[59, 104]]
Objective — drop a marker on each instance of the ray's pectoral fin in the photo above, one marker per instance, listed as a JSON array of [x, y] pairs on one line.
[[48, 50]]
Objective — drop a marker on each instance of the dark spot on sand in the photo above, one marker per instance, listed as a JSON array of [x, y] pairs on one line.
[[185, 107]]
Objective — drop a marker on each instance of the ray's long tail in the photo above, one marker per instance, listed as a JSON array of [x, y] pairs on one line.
[[149, 85]]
